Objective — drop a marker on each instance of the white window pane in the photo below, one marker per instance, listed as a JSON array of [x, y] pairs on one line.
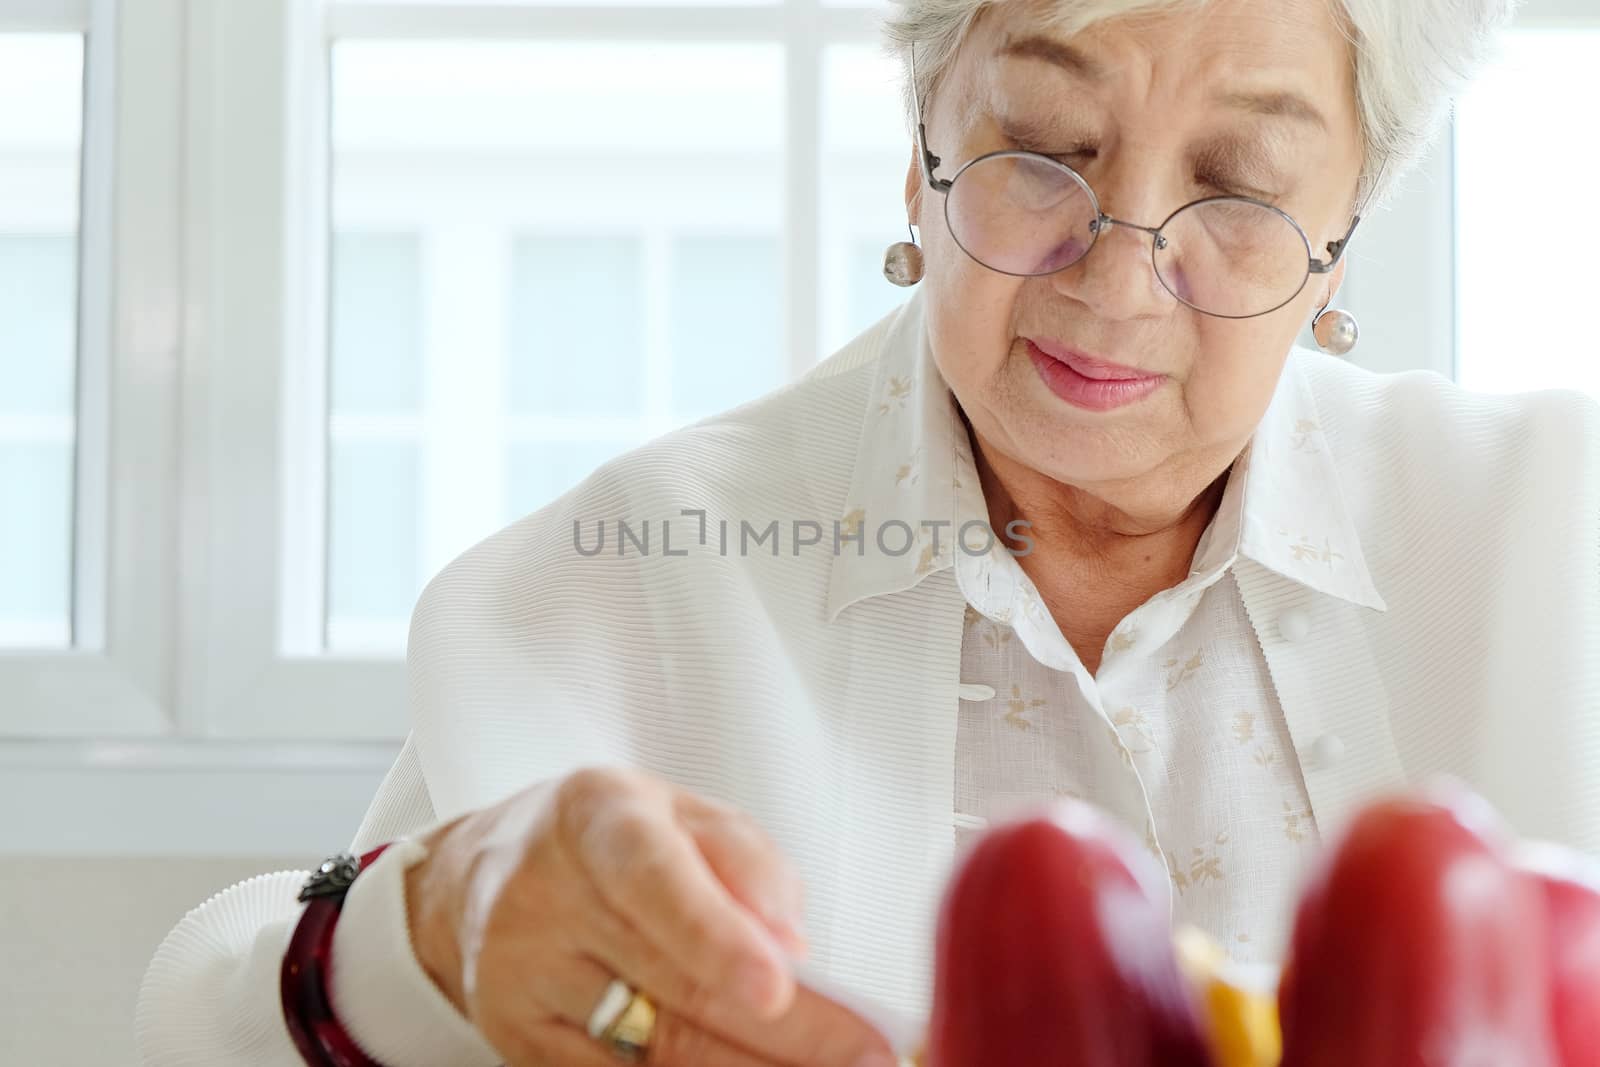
[[35, 544], [1525, 174], [40, 147], [38, 330], [577, 304], [619, 103], [727, 314], [372, 553], [376, 315], [539, 471], [555, 193], [375, 391], [870, 296], [865, 152], [46, 70]]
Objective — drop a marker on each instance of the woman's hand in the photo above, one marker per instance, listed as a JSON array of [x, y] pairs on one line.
[[522, 914]]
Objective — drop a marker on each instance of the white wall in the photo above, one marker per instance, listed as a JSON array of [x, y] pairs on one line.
[[75, 935]]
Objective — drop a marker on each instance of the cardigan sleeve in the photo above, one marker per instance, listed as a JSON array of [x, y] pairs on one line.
[[210, 994]]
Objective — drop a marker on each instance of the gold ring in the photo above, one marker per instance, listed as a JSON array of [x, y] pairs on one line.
[[629, 1035]]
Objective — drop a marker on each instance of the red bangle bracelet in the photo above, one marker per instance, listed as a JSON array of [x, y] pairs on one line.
[[303, 981]]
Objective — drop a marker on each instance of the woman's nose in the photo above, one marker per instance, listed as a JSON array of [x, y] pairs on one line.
[[1117, 279]]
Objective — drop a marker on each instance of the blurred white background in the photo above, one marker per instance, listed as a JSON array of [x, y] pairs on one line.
[[298, 300]]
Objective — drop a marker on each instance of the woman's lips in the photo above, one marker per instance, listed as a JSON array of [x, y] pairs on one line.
[[1088, 383], [1088, 366]]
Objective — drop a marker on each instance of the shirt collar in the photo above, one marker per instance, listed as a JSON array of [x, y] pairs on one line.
[[1294, 519], [903, 489], [909, 494]]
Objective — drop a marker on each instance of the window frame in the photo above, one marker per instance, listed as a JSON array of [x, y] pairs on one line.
[[248, 666], [257, 281], [203, 310], [115, 681]]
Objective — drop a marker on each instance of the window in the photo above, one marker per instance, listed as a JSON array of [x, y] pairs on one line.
[[299, 299], [542, 254], [726, 317], [40, 145], [578, 299], [1525, 175], [865, 151]]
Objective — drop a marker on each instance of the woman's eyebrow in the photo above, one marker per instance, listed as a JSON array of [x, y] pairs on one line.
[[1277, 104], [1055, 52], [1281, 103]]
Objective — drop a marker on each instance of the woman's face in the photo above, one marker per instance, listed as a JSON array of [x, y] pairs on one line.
[[1251, 97]]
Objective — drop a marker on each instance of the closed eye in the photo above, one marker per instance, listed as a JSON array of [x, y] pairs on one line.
[[1074, 156], [1022, 137], [1226, 187], [1078, 154]]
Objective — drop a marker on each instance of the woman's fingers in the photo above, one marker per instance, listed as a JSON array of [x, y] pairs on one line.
[[750, 864], [812, 1032], [552, 1043], [614, 874], [651, 873], [684, 1042], [558, 1044]]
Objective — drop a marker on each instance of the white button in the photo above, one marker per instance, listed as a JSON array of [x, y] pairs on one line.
[[1293, 625], [974, 691], [1327, 750]]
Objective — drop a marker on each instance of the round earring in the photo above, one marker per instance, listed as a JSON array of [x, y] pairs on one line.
[[1336, 331], [902, 261]]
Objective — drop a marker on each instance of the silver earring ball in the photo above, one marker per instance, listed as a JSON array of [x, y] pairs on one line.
[[1336, 331], [902, 263]]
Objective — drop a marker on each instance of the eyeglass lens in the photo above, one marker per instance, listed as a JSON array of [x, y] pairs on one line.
[[1028, 215]]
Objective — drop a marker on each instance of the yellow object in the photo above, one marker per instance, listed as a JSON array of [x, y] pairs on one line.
[[1242, 1023], [629, 1036]]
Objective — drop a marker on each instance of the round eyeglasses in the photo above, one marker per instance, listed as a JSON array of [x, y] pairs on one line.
[[1026, 214], [1229, 256]]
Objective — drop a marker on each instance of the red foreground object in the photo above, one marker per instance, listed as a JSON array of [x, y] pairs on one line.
[[1417, 944], [1053, 953], [1571, 887]]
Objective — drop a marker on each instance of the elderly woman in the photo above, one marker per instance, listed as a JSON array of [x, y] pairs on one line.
[[1077, 519]]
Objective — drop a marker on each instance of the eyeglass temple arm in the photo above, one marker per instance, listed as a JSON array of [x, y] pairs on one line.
[[1335, 250], [929, 160]]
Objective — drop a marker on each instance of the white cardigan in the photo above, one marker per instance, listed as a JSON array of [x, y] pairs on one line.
[[832, 720]]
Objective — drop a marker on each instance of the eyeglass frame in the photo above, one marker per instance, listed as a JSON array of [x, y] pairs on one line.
[[1103, 222]]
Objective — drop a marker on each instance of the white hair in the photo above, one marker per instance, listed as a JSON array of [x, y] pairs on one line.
[[1412, 59]]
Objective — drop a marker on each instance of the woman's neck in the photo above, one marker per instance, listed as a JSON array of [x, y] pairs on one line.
[[1133, 534]]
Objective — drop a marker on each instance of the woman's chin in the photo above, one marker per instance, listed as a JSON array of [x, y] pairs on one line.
[[1098, 447], [1091, 455]]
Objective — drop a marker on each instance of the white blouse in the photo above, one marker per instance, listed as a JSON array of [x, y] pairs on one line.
[[1181, 738], [1179, 734], [841, 697]]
